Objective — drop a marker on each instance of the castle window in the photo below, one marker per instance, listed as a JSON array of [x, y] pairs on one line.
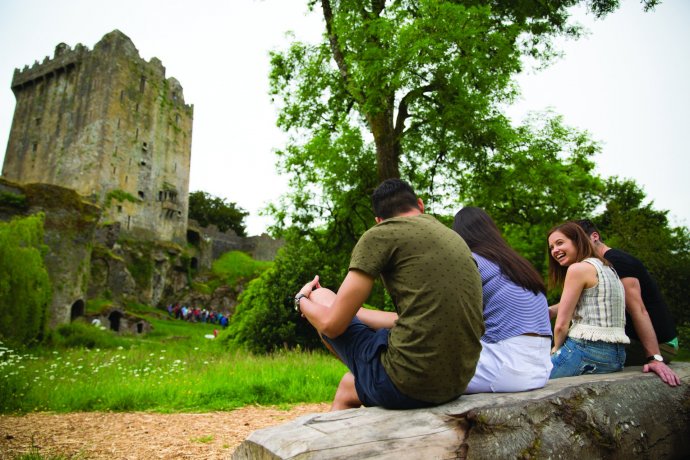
[[144, 147], [137, 135], [141, 194], [126, 179], [129, 221], [118, 123], [114, 169], [119, 208], [38, 121], [142, 84], [137, 107], [142, 162], [174, 95], [160, 195], [177, 119], [34, 147], [122, 95]]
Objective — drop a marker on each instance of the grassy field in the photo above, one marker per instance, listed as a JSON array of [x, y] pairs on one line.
[[173, 369]]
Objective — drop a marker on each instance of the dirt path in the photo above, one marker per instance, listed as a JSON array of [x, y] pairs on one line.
[[139, 435]]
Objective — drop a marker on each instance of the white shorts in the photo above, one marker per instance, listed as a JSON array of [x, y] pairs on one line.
[[519, 363]]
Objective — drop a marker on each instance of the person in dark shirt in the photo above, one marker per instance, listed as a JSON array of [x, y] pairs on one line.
[[649, 324]]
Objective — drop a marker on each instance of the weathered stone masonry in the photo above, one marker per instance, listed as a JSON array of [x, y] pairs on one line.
[[108, 124]]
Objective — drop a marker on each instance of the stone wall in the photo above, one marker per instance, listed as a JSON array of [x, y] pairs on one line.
[[70, 224], [111, 126]]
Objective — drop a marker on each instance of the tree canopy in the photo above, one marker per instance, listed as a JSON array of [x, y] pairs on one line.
[[407, 88], [415, 89], [208, 209]]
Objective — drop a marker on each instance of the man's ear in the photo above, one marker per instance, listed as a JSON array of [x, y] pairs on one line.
[[595, 237], [420, 205], [378, 220]]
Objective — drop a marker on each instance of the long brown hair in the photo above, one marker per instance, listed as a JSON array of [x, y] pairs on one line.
[[583, 250], [484, 238]]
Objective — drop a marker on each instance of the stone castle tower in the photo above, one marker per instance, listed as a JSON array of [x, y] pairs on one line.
[[109, 125]]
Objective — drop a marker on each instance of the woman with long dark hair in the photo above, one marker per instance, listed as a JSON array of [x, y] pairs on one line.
[[589, 333], [517, 340]]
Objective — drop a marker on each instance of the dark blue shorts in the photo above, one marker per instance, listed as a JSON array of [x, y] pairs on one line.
[[360, 348]]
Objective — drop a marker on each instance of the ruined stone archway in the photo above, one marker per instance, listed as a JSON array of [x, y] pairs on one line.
[[77, 310], [114, 318]]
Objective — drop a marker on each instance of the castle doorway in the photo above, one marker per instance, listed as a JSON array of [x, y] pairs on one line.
[[77, 310], [114, 317]]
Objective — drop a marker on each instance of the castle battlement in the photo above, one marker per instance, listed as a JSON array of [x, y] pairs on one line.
[[109, 124], [64, 58]]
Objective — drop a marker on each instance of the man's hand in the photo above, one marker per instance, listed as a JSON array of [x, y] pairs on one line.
[[310, 286], [664, 372]]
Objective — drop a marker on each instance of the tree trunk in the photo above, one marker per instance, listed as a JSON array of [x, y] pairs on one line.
[[613, 416], [387, 145]]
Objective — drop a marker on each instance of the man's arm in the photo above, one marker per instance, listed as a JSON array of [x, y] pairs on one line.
[[377, 319], [334, 320], [645, 331]]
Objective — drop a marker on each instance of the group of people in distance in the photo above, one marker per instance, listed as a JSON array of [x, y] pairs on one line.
[[472, 315]]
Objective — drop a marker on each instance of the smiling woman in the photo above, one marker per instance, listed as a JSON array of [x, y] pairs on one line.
[[589, 332]]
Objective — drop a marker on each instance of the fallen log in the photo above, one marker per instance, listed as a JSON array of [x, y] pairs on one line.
[[612, 416]]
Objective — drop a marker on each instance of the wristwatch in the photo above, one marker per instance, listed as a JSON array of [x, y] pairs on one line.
[[655, 358], [298, 297]]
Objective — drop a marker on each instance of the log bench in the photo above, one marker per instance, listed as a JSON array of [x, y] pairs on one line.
[[622, 415]]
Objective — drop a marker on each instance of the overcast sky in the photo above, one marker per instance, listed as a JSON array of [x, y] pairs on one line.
[[627, 83]]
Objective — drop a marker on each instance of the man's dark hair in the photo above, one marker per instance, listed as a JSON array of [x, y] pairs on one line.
[[393, 197], [589, 227]]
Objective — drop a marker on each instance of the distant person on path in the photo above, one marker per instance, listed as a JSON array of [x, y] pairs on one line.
[[649, 324], [589, 332], [515, 347], [428, 354]]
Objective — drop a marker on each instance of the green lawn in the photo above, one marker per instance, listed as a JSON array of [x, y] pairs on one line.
[[173, 369]]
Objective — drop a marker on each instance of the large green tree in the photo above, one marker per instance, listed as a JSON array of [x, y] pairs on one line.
[[208, 209], [409, 88], [631, 223]]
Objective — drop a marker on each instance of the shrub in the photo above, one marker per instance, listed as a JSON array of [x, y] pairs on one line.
[[265, 320], [25, 289], [235, 266]]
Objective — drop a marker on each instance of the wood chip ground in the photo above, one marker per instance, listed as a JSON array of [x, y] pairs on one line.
[[139, 435]]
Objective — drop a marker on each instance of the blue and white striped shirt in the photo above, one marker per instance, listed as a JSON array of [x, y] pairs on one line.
[[510, 310]]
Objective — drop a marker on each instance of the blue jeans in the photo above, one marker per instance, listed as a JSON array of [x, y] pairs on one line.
[[578, 357]]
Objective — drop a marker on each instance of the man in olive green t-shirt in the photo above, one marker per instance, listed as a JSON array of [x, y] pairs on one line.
[[428, 354]]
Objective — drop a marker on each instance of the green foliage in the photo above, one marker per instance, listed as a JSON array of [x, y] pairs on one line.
[[540, 175], [25, 289], [235, 266], [120, 195], [13, 200], [207, 209], [635, 227], [81, 335], [265, 320]]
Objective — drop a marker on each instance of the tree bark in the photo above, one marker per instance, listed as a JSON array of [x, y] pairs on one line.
[[387, 145], [614, 416]]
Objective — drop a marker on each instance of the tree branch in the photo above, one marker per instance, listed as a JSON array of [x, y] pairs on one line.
[[403, 113], [338, 55]]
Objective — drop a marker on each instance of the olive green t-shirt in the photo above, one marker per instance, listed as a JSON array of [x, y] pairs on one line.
[[429, 273]]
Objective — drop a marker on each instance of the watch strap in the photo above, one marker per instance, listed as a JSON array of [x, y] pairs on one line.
[[299, 297]]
